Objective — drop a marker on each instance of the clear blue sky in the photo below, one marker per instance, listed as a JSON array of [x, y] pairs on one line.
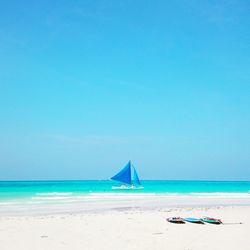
[[87, 85]]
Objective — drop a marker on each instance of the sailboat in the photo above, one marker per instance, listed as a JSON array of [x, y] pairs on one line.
[[128, 177]]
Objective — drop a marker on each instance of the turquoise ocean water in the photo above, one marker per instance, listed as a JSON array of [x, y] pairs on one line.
[[15, 190]]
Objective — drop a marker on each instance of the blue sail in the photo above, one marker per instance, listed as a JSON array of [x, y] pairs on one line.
[[136, 178], [124, 175]]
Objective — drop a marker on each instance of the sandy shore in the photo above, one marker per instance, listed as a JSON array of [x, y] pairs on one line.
[[99, 202], [124, 228]]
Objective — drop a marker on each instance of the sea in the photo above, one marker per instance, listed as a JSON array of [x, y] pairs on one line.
[[73, 196], [76, 189]]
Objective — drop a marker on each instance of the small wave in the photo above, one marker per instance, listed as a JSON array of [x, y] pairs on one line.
[[220, 194], [50, 198], [118, 196], [121, 194], [8, 203], [55, 194]]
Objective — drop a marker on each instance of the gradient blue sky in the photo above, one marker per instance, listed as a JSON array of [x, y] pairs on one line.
[[87, 85]]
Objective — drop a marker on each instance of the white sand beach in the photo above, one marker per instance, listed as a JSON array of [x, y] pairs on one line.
[[127, 227]]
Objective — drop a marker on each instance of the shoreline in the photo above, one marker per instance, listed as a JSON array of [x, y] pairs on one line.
[[100, 202]]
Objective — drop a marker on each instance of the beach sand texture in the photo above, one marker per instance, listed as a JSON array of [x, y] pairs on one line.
[[125, 228]]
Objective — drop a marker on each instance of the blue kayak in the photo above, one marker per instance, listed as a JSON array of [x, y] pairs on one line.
[[194, 220]]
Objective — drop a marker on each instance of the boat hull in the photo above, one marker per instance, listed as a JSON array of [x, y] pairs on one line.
[[211, 220], [194, 220], [127, 187], [176, 220]]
